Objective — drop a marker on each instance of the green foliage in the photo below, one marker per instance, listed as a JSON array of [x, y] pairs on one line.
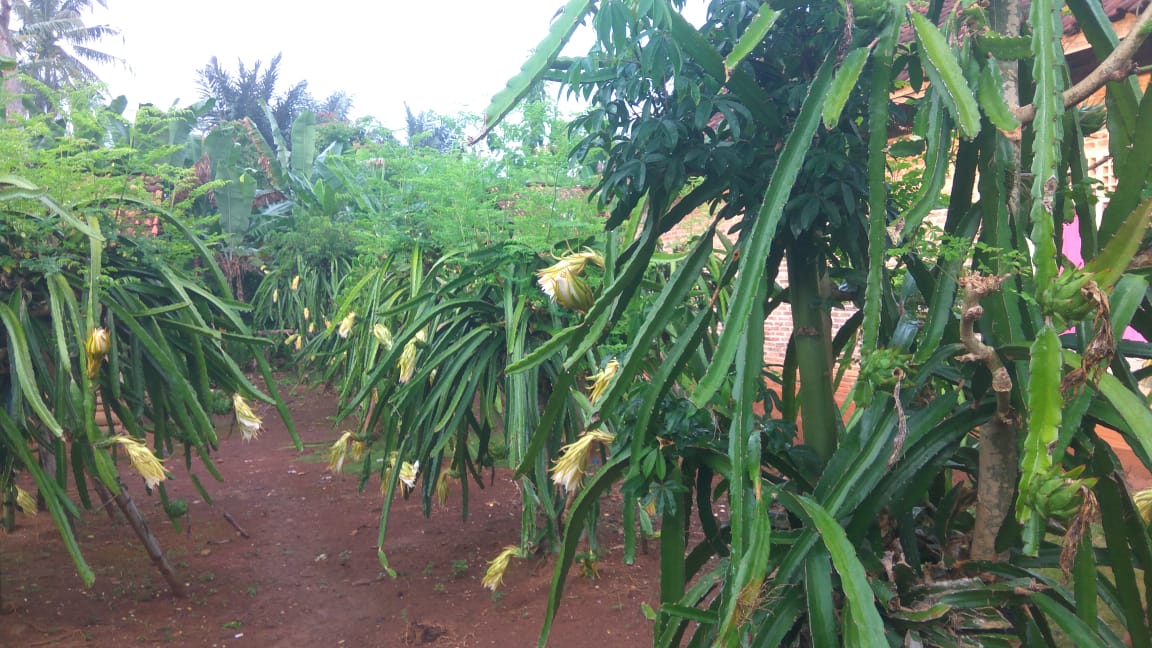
[[55, 46], [119, 328], [251, 94], [673, 128], [364, 208]]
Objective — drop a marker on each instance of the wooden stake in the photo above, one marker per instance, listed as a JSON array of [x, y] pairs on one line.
[[132, 514], [106, 500], [236, 525]]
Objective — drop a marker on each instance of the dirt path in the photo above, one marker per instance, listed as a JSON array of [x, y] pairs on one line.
[[308, 574]]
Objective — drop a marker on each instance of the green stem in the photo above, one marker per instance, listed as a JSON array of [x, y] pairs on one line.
[[812, 336], [877, 185], [672, 545]]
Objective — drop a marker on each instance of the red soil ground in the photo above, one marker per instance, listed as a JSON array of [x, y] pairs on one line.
[[308, 574]]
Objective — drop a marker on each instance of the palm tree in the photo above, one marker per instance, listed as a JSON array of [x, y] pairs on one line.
[[335, 108], [55, 46], [426, 129], [245, 95]]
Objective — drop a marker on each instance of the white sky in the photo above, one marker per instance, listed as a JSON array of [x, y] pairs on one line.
[[442, 55]]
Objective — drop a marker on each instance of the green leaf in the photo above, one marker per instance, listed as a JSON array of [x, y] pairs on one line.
[[938, 140], [689, 613], [944, 71], [1126, 298], [304, 144], [698, 47], [843, 85], [756, 31], [280, 159], [1045, 408], [759, 240], [548, 49], [557, 403], [1122, 97], [25, 374], [1048, 73], [669, 303], [821, 607], [857, 591], [1110, 495], [585, 503], [234, 200], [1004, 48], [992, 99], [878, 108], [58, 504], [1132, 409], [1121, 246], [541, 353], [673, 523]]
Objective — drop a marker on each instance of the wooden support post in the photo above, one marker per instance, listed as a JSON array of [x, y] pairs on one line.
[[132, 514], [106, 499]]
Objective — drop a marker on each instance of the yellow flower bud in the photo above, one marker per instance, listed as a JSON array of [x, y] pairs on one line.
[[96, 348], [25, 501], [494, 576], [99, 342], [562, 284], [346, 324], [601, 380], [382, 335], [576, 459], [407, 360], [442, 488], [573, 293], [145, 463], [338, 453], [408, 472], [250, 424], [358, 448]]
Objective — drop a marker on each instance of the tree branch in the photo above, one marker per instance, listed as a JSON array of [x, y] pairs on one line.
[[998, 458], [976, 287], [1115, 67]]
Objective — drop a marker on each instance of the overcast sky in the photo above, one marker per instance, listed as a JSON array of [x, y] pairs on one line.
[[441, 55]]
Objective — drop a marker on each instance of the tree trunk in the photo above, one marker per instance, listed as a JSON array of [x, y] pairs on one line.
[[812, 337], [998, 456], [11, 89], [998, 475]]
